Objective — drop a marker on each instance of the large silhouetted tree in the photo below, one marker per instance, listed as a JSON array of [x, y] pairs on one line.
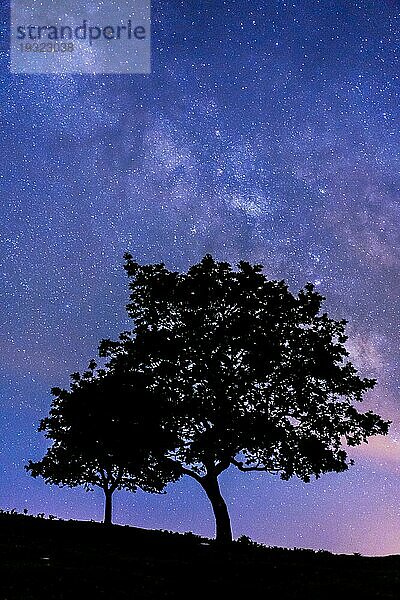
[[101, 429], [253, 376]]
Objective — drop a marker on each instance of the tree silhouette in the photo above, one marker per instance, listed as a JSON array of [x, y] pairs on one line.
[[101, 428], [252, 376]]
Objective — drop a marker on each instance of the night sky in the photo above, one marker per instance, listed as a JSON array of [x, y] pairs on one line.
[[267, 131]]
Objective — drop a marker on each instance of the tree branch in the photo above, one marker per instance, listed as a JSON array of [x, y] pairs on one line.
[[115, 481], [191, 473], [245, 469], [184, 471], [222, 466], [104, 478]]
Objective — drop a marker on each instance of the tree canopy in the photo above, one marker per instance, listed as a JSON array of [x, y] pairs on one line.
[[250, 375], [105, 433], [221, 368]]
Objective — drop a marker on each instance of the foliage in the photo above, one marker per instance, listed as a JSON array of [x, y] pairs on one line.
[[255, 376], [222, 368], [104, 433]]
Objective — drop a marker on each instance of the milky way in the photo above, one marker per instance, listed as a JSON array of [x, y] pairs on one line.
[[267, 131]]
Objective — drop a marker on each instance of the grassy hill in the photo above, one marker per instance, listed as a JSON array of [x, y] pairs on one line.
[[54, 560]]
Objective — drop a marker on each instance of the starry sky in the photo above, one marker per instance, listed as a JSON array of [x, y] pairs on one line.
[[267, 131]]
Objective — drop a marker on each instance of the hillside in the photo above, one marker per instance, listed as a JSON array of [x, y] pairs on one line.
[[59, 560]]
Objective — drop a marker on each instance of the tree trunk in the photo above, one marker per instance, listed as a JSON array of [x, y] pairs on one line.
[[108, 507], [223, 530]]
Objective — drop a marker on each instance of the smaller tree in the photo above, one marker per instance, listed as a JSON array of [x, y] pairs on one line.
[[101, 429]]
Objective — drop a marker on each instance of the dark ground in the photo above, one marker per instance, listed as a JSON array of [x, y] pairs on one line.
[[54, 560]]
